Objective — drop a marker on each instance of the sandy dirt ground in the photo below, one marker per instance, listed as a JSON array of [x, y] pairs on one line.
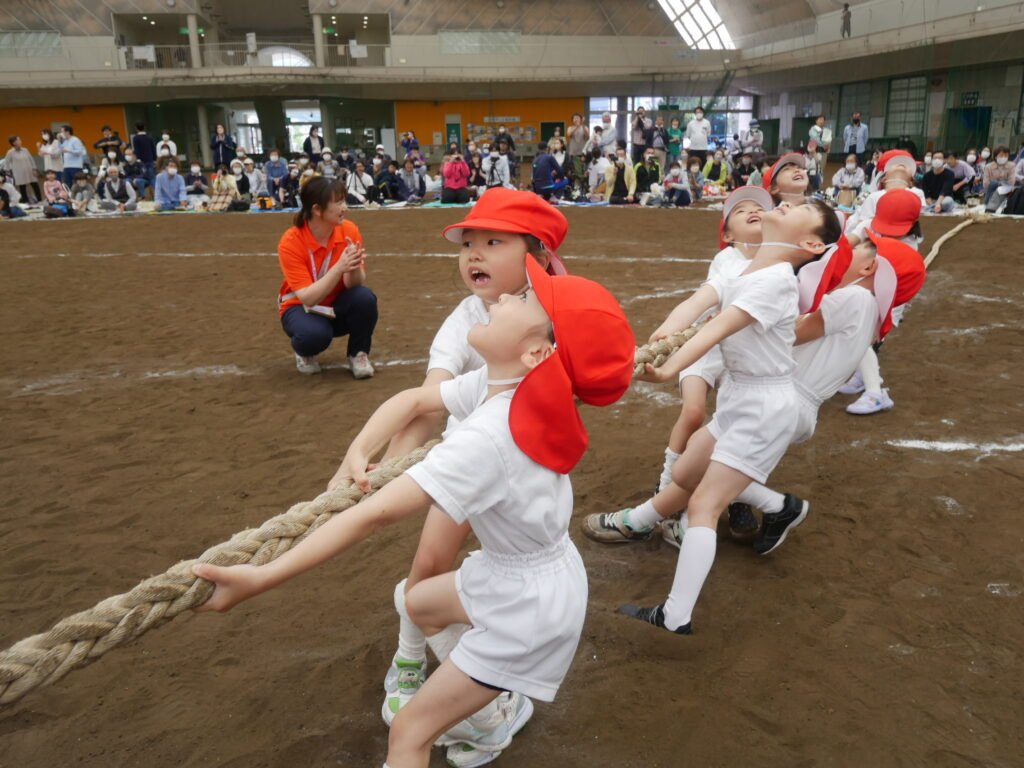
[[150, 408]]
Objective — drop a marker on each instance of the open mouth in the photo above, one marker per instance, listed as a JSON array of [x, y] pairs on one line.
[[753, 218], [479, 277]]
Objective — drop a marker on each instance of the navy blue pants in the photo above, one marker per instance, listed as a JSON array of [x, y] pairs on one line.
[[355, 312]]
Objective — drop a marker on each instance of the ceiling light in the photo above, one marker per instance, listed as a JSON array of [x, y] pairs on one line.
[[145, 18], [153, 23], [725, 61]]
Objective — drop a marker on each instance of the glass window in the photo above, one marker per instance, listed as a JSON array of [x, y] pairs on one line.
[[698, 24], [908, 101]]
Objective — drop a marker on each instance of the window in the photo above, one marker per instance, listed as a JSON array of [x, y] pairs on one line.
[[30, 44], [698, 23], [854, 97], [908, 102]]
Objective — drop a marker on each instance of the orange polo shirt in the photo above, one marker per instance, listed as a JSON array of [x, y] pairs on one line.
[[299, 254]]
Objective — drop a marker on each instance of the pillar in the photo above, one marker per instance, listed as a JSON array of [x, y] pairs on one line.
[[193, 41], [318, 41]]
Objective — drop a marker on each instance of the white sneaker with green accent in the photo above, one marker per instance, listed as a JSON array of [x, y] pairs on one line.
[[403, 680], [481, 738]]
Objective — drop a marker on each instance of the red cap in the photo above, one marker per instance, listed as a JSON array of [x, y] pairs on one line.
[[896, 212], [593, 361], [896, 261], [907, 162], [524, 213], [791, 158], [819, 277]]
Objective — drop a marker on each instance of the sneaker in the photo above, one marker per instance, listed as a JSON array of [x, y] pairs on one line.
[[307, 364], [614, 528], [854, 386], [672, 532], [777, 525], [401, 686], [361, 366], [871, 402], [489, 730], [655, 616], [743, 525]]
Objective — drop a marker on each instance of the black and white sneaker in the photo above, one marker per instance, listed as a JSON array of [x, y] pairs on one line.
[[655, 616], [743, 524], [776, 526]]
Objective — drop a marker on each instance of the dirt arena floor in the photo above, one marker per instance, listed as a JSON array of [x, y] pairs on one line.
[[150, 408]]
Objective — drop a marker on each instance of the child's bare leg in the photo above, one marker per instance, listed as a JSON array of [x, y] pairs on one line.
[[691, 418], [447, 698]]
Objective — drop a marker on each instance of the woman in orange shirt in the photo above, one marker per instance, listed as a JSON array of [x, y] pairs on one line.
[[324, 293]]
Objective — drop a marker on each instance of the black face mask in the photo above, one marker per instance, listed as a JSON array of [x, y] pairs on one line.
[[856, 121]]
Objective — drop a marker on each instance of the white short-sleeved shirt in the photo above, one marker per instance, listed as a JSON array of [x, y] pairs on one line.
[[851, 322], [728, 262], [450, 350], [770, 296], [697, 131], [478, 473]]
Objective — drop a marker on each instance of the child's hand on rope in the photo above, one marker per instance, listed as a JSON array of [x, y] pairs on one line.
[[233, 585], [354, 467], [653, 375], [658, 335]]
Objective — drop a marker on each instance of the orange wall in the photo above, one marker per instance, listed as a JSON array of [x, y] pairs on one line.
[[425, 118], [27, 122]]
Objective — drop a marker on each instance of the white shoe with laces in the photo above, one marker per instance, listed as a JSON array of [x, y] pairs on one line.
[[481, 738], [854, 386], [307, 365], [871, 402], [361, 366]]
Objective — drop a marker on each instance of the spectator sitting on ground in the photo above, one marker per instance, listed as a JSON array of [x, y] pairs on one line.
[[648, 176], [241, 180], [414, 186], [695, 178], [82, 193], [715, 170], [57, 196], [109, 142], [620, 180], [313, 146], [9, 210], [303, 162], [328, 167], [134, 173], [388, 183], [224, 189], [361, 190], [496, 171], [409, 142], [288, 189], [346, 160], [275, 169], [869, 169], [640, 128], [10, 189], [165, 148], [197, 187], [257, 181], [169, 190], [1000, 172], [21, 165], [115, 193], [597, 170], [937, 184], [108, 160], [849, 177], [456, 180], [677, 188], [760, 168], [477, 176], [963, 176], [223, 146], [380, 159], [743, 170]]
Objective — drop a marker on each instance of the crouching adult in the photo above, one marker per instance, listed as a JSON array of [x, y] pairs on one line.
[[324, 295]]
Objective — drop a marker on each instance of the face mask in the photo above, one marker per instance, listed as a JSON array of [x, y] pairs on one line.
[[1002, 160], [650, 158], [165, 152], [236, 171], [112, 155], [856, 121], [746, 161], [619, 161], [195, 169], [275, 158], [718, 158], [166, 137], [172, 171], [303, 161], [294, 174], [676, 172], [972, 158], [985, 154], [239, 154], [495, 155], [699, 116], [927, 159], [937, 164], [851, 167], [129, 158], [328, 158]]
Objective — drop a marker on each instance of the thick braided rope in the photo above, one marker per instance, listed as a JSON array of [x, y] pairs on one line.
[[81, 639], [657, 352], [975, 218]]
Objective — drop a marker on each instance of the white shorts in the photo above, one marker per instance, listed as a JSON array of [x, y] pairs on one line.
[[753, 423], [710, 368], [527, 615], [807, 407]]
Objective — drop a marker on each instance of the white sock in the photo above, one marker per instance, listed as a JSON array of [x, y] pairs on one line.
[[695, 558], [684, 521], [444, 642], [765, 499], [666, 470], [412, 643], [643, 517], [870, 372]]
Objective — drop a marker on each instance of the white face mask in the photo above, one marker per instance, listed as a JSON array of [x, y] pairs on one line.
[[129, 158], [328, 158], [164, 152], [927, 159], [239, 154], [972, 158], [985, 154], [1002, 160], [112, 155], [294, 173], [677, 172], [275, 158], [303, 161], [166, 137], [851, 167], [236, 171], [937, 164], [172, 171], [195, 169]]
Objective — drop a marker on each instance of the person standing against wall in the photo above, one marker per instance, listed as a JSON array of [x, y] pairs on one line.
[[223, 146], [697, 131], [641, 125], [74, 154], [855, 138], [578, 136], [846, 16]]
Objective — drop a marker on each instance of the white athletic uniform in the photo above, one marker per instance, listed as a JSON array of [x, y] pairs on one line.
[[525, 592], [728, 262], [753, 422], [859, 222], [450, 351], [850, 315]]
